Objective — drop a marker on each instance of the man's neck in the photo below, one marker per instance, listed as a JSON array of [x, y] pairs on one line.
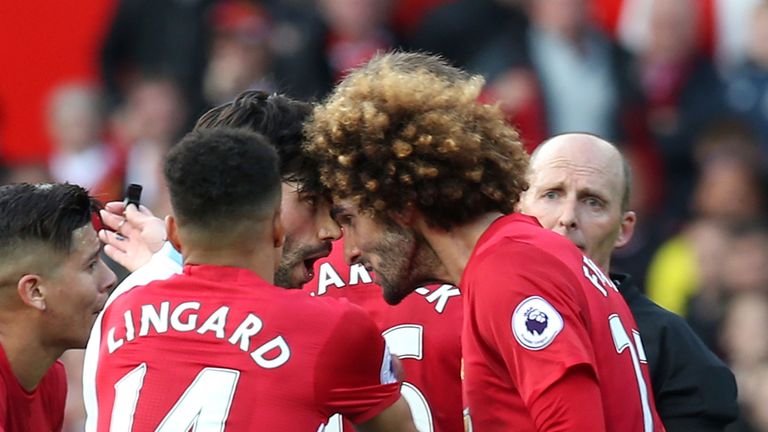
[[455, 246], [29, 359], [260, 261]]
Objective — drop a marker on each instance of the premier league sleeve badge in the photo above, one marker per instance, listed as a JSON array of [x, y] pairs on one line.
[[536, 323]]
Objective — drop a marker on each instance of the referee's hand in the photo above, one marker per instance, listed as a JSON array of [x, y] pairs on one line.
[[134, 234]]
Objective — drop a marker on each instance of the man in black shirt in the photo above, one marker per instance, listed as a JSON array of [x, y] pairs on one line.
[[579, 187]]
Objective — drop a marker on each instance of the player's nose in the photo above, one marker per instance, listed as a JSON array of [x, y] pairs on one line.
[[567, 220], [327, 228], [351, 252], [109, 278]]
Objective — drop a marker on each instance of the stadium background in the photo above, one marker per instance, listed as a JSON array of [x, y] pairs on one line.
[[95, 91]]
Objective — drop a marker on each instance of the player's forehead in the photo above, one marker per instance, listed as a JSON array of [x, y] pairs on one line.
[[85, 241], [577, 164], [344, 206]]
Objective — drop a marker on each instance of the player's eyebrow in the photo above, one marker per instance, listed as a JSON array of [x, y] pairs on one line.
[[94, 254], [591, 192], [336, 211]]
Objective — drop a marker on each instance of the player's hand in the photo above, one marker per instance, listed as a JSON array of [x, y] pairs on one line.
[[134, 235]]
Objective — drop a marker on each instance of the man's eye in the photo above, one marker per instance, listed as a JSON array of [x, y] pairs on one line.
[[550, 195], [594, 202]]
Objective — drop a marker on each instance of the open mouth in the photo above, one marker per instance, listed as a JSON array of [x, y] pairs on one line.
[[309, 267]]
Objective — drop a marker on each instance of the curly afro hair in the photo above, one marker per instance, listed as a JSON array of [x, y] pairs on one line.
[[406, 130]]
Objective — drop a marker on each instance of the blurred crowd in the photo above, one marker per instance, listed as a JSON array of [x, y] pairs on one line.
[[681, 86]]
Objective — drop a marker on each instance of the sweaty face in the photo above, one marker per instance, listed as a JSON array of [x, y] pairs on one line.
[[309, 231], [401, 261], [580, 198], [76, 291]]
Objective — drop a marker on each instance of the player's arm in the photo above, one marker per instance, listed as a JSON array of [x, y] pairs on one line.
[[134, 234], [395, 418], [573, 403], [542, 340], [355, 376]]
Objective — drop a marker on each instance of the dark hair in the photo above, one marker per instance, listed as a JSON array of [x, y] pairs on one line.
[[280, 119], [221, 174], [47, 213], [406, 130]]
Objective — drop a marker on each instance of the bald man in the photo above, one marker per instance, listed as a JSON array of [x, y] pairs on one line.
[[580, 186]]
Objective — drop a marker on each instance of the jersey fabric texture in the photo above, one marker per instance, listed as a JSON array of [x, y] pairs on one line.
[[424, 330], [694, 390], [219, 347], [536, 310], [41, 410]]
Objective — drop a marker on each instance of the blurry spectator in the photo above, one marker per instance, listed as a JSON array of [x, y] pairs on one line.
[[80, 154], [684, 94], [582, 80], [743, 339], [743, 332], [459, 29], [408, 15], [745, 267], [754, 400], [149, 37], [732, 30], [742, 268], [149, 123], [686, 264], [26, 173], [339, 35], [748, 86], [728, 191], [240, 56]]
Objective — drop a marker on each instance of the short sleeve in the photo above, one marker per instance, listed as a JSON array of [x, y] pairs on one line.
[[525, 304], [354, 374]]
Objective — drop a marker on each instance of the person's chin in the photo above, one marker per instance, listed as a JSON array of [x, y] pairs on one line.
[[301, 275], [393, 295]]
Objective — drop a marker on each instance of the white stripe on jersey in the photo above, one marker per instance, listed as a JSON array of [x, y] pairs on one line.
[[161, 266]]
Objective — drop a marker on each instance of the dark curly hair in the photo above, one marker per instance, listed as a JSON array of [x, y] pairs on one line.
[[280, 119], [221, 175], [46, 213], [406, 130]]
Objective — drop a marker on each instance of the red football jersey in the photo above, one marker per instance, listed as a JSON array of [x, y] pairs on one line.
[[39, 410], [535, 309], [424, 330], [218, 347]]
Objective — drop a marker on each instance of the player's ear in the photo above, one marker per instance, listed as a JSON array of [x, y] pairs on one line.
[[173, 232], [278, 230], [31, 291], [626, 229], [405, 217]]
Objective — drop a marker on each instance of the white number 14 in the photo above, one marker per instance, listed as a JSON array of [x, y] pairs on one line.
[[205, 403]]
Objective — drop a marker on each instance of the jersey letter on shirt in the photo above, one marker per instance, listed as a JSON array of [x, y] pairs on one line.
[[535, 323]]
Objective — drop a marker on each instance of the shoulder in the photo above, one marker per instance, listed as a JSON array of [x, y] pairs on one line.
[[160, 267], [322, 311], [53, 388], [56, 377], [531, 255]]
